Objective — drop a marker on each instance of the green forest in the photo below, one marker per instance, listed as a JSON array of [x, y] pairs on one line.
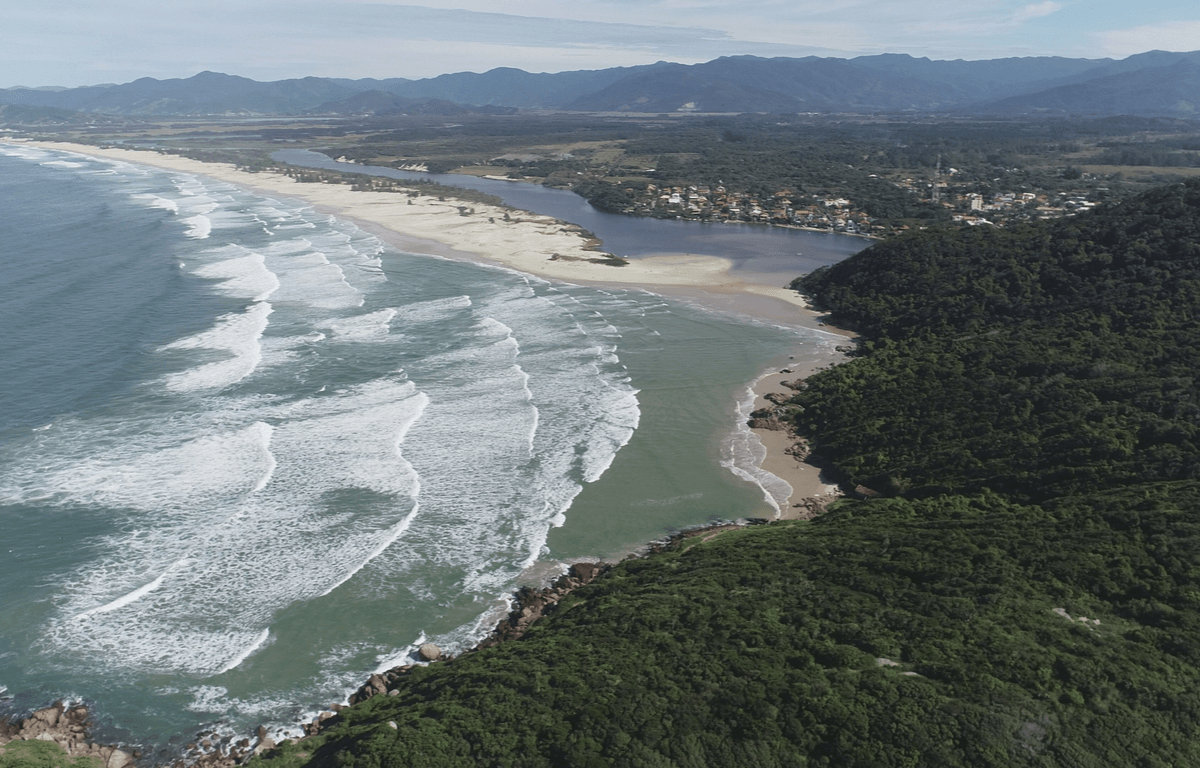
[[1022, 588]]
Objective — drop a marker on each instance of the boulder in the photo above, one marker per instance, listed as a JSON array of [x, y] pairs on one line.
[[429, 652], [49, 716], [118, 759], [585, 572]]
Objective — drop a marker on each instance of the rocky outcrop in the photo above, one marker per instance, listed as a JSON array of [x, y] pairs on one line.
[[811, 507], [67, 726], [799, 450], [531, 604], [768, 422]]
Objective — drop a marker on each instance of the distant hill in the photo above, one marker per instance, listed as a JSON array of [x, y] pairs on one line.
[[752, 84], [205, 93], [22, 115], [1151, 83], [382, 103], [505, 86], [1168, 90]]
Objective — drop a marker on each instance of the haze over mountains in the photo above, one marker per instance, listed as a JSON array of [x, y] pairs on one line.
[[1153, 83]]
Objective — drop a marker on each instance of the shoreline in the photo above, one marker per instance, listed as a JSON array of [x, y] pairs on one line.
[[543, 246], [528, 242]]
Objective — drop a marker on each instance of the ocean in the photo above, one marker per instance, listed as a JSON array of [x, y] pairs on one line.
[[250, 454]]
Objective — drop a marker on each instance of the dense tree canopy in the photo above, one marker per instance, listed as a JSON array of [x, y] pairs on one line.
[[1026, 593]]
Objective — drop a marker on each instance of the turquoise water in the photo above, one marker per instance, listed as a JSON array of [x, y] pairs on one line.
[[249, 454]]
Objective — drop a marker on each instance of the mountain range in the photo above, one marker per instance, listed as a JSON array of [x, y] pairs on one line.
[[1152, 83]]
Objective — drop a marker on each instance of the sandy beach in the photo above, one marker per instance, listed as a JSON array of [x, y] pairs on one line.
[[538, 245]]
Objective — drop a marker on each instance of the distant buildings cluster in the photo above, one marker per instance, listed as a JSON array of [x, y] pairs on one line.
[[838, 214], [719, 204], [1001, 207]]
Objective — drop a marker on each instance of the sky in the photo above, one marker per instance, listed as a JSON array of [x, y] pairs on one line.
[[88, 42]]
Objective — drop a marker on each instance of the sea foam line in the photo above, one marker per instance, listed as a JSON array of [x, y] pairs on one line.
[[400, 527], [135, 595], [386, 663], [254, 646], [265, 431], [746, 453]]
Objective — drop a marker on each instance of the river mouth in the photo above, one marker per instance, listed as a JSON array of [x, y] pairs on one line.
[[753, 249]]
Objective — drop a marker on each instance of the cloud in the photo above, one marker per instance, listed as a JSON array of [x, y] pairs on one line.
[[1035, 11], [1163, 36], [81, 41]]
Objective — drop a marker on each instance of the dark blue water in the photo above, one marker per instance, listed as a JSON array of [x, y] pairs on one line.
[[752, 248]]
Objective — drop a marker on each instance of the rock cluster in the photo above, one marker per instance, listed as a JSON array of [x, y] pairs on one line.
[[799, 450], [532, 604], [770, 422], [529, 606], [811, 507], [210, 751], [68, 727]]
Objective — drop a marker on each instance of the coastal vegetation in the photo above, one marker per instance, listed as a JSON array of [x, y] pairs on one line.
[[42, 754], [1017, 585], [877, 175], [882, 174]]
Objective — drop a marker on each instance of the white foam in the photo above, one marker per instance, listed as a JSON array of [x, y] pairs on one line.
[[507, 445], [281, 544], [125, 600], [432, 311], [308, 277], [244, 275], [24, 153], [384, 663], [236, 335], [62, 164], [744, 454], [199, 227], [157, 201], [368, 327], [154, 472], [263, 434]]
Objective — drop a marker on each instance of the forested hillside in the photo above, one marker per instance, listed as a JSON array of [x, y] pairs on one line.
[[1026, 592], [1036, 361]]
